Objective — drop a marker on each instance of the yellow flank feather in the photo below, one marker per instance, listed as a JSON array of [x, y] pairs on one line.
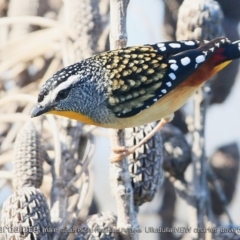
[[221, 66], [74, 115]]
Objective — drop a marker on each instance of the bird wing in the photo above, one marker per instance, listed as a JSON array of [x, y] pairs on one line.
[[139, 76]]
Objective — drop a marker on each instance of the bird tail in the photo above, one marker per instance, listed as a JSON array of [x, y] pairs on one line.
[[232, 51], [222, 50]]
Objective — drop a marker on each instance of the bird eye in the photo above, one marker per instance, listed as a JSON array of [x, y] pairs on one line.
[[62, 94]]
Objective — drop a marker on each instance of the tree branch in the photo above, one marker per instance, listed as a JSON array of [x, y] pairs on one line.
[[120, 178]]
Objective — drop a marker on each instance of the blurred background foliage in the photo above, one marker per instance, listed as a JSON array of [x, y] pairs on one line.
[[39, 37]]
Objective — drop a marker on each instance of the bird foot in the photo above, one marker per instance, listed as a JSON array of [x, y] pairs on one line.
[[120, 152]]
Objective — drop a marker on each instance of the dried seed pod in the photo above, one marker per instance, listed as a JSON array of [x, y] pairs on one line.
[[176, 152], [28, 158], [25, 215], [226, 233], [84, 18], [145, 165], [99, 226], [21, 8], [201, 19], [225, 165]]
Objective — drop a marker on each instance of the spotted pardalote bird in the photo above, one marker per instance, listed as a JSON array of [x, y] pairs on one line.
[[135, 85]]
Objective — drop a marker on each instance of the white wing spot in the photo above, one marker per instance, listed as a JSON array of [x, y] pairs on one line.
[[205, 52], [159, 95], [164, 91], [212, 49], [172, 61], [217, 44], [147, 106], [172, 76], [200, 59], [155, 99], [223, 40], [169, 84], [185, 61], [174, 45], [174, 66], [196, 65], [161, 45], [189, 43], [163, 49]]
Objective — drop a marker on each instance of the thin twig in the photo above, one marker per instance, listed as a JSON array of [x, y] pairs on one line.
[[75, 208], [121, 183], [201, 101], [17, 98], [6, 175], [34, 20]]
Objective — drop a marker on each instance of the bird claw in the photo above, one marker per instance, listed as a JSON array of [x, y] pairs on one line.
[[119, 153]]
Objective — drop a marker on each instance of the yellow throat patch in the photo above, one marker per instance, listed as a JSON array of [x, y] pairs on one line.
[[73, 115]]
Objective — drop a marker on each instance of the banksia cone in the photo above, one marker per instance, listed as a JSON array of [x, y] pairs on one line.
[[101, 226], [21, 8], [225, 165], [25, 215], [84, 18], [145, 165], [226, 233], [28, 158], [199, 20], [176, 152]]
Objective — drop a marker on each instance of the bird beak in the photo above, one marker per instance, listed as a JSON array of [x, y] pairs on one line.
[[39, 110]]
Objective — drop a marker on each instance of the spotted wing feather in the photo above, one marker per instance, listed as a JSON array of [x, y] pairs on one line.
[[140, 76]]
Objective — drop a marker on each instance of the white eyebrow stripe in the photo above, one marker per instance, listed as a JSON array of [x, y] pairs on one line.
[[45, 100], [52, 94]]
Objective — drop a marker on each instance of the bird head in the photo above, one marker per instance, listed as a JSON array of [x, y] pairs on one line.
[[73, 92]]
